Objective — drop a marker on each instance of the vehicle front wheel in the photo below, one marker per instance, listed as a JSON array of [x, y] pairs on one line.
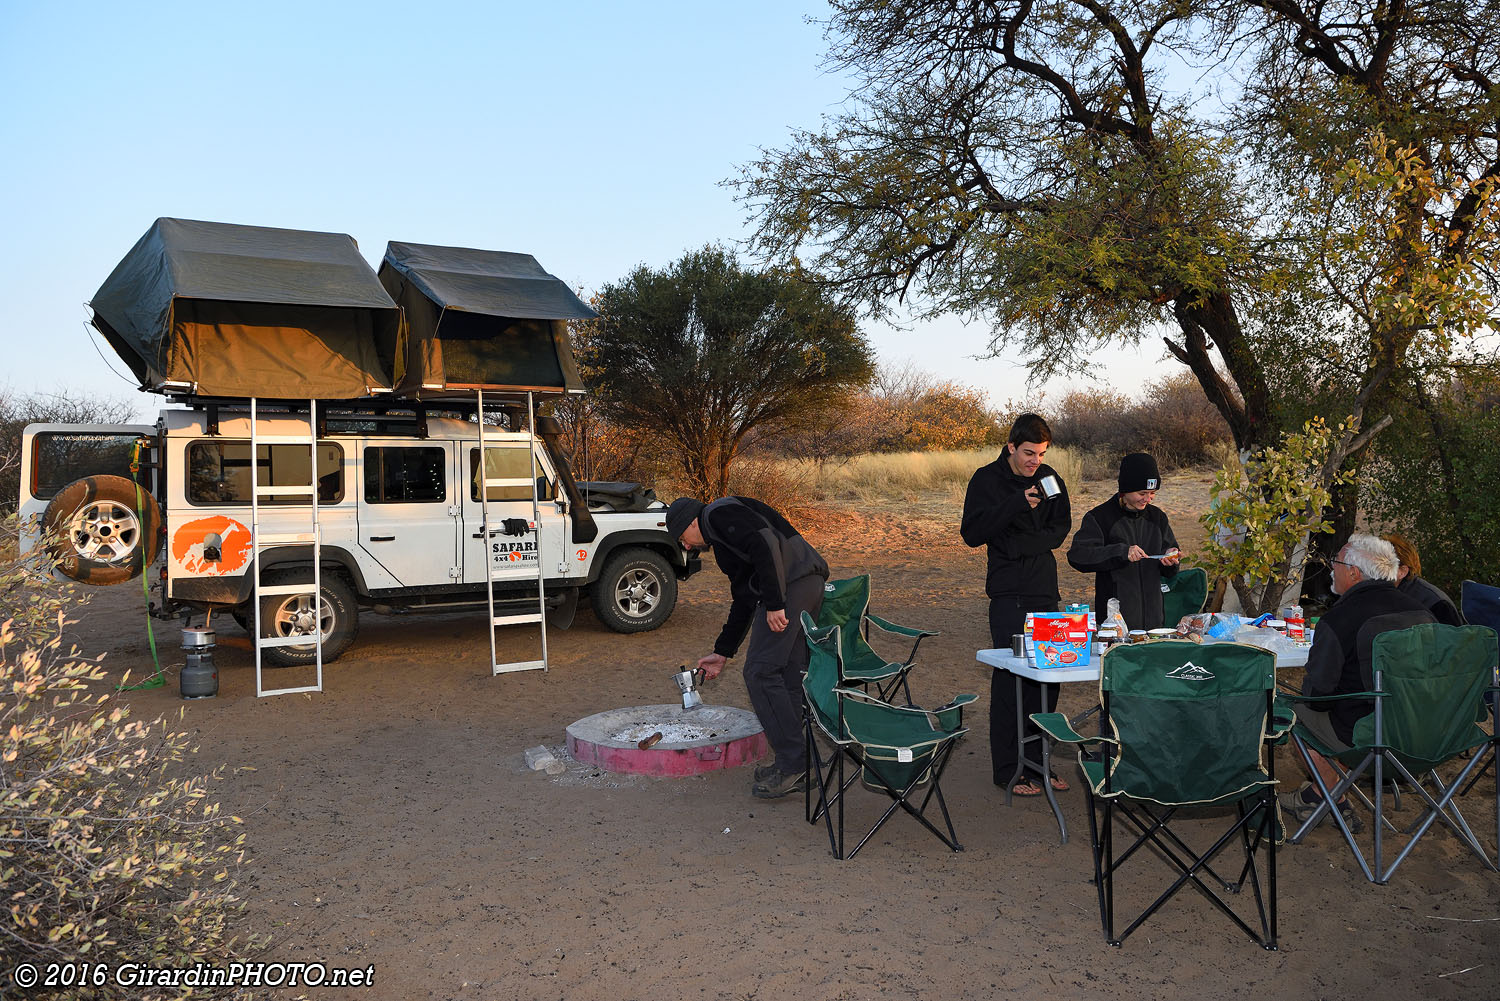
[[292, 615], [636, 592]]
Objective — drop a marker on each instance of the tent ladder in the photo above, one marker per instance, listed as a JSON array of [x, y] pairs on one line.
[[489, 531], [260, 542]]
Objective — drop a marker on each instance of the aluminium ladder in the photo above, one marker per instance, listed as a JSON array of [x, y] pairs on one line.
[[488, 532], [259, 542]]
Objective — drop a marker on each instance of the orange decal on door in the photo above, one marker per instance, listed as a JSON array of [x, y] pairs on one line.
[[212, 547]]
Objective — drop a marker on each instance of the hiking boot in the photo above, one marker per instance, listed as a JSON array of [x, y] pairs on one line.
[[779, 784], [763, 772], [1296, 810]]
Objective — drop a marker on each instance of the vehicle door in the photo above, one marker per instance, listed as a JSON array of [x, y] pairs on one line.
[[409, 510], [54, 455], [514, 557]]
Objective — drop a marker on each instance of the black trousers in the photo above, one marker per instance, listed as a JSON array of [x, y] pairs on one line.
[[774, 665], [1008, 617]]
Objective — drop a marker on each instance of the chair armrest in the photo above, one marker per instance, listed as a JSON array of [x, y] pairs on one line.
[[1281, 721], [1289, 697], [892, 627], [1056, 726], [951, 716]]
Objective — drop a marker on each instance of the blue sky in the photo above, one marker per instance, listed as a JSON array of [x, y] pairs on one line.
[[593, 135]]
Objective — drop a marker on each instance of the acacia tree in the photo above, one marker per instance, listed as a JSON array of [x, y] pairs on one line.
[[1309, 238], [703, 352]]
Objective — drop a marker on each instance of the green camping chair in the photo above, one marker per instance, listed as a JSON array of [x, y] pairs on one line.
[[895, 750], [1429, 692], [1191, 726], [1183, 594], [846, 603]]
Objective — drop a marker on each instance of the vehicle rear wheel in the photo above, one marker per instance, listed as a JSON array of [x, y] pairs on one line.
[[292, 615], [636, 592], [103, 529]]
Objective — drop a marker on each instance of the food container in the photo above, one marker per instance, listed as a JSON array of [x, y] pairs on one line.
[[1137, 636], [1161, 634]]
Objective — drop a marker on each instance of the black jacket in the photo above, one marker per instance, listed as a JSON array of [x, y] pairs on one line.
[[1099, 547], [760, 552], [1432, 598], [1342, 654], [1020, 538]]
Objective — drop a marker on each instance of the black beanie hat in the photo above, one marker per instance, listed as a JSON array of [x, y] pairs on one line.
[[1138, 472], [681, 514]]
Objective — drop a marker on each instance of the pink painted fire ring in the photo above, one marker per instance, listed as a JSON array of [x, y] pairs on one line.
[[704, 740]]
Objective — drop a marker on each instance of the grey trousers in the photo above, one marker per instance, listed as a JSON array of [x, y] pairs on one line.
[[774, 665]]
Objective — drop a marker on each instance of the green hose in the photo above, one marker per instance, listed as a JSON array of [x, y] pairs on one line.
[[158, 679]]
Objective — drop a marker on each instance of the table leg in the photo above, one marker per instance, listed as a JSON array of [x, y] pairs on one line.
[[1021, 760]]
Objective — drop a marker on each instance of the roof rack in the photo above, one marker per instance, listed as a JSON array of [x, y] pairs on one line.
[[383, 416]]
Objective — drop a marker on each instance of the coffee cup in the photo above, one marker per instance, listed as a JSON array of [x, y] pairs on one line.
[[1048, 486]]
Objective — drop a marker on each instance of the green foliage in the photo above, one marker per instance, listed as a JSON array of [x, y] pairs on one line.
[[108, 852], [703, 352], [1264, 510], [1439, 484]]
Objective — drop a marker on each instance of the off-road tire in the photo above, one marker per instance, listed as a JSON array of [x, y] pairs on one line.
[[636, 592], [279, 612], [100, 532]]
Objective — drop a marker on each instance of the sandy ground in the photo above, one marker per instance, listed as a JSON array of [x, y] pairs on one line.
[[392, 822]]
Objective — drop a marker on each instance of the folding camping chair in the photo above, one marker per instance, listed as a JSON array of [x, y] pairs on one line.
[[1183, 594], [895, 750], [1191, 726], [1480, 604], [1429, 692], [846, 603]]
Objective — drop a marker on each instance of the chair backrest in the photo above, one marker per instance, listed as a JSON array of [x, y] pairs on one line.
[[822, 675], [845, 601], [1481, 604], [1190, 718], [1435, 676], [1185, 594]]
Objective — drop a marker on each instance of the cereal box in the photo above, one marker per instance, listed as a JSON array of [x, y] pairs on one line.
[[1060, 639]]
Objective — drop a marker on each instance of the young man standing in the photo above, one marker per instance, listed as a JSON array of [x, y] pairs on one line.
[[774, 576], [1017, 508], [1118, 540]]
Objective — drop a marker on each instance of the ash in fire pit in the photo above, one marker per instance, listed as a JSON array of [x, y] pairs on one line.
[[706, 739]]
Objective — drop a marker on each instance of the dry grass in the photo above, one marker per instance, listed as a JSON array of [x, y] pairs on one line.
[[908, 477]]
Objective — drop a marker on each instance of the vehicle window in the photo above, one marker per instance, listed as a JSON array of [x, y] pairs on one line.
[[401, 475], [507, 462], [219, 471], [60, 457]]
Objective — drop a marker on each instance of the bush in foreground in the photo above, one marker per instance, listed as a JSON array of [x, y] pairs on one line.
[[108, 852]]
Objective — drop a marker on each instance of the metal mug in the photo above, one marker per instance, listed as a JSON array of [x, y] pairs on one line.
[[1049, 486], [1018, 645]]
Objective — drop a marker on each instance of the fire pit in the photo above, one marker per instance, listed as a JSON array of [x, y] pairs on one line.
[[704, 740]]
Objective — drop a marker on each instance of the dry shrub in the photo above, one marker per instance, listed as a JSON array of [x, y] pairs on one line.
[[109, 852], [1172, 420]]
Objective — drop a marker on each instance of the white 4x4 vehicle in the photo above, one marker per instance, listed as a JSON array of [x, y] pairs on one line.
[[399, 514]]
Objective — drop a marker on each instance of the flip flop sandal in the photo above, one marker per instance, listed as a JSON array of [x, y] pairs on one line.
[[1058, 785], [1026, 787]]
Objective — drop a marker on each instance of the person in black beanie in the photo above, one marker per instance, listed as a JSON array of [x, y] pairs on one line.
[[1017, 508], [1119, 540]]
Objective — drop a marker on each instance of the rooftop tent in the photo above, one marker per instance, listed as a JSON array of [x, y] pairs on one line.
[[480, 319], [216, 309]]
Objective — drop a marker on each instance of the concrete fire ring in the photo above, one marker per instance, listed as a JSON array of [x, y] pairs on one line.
[[702, 740]]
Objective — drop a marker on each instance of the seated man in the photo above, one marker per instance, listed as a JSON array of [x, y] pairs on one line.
[[1364, 576], [1410, 582]]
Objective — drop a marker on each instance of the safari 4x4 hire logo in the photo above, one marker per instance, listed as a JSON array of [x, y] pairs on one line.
[[1191, 672]]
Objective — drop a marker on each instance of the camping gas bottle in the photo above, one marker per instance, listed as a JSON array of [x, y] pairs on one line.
[[199, 679]]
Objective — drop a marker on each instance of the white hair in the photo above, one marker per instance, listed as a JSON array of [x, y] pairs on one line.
[[1375, 558]]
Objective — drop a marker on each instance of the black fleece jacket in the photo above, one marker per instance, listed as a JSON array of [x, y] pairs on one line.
[[760, 552], [1018, 537], [1099, 547]]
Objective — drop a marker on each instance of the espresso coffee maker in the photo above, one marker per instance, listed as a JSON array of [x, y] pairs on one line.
[[687, 683]]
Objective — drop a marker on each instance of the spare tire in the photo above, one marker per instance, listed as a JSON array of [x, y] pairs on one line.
[[102, 530]]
